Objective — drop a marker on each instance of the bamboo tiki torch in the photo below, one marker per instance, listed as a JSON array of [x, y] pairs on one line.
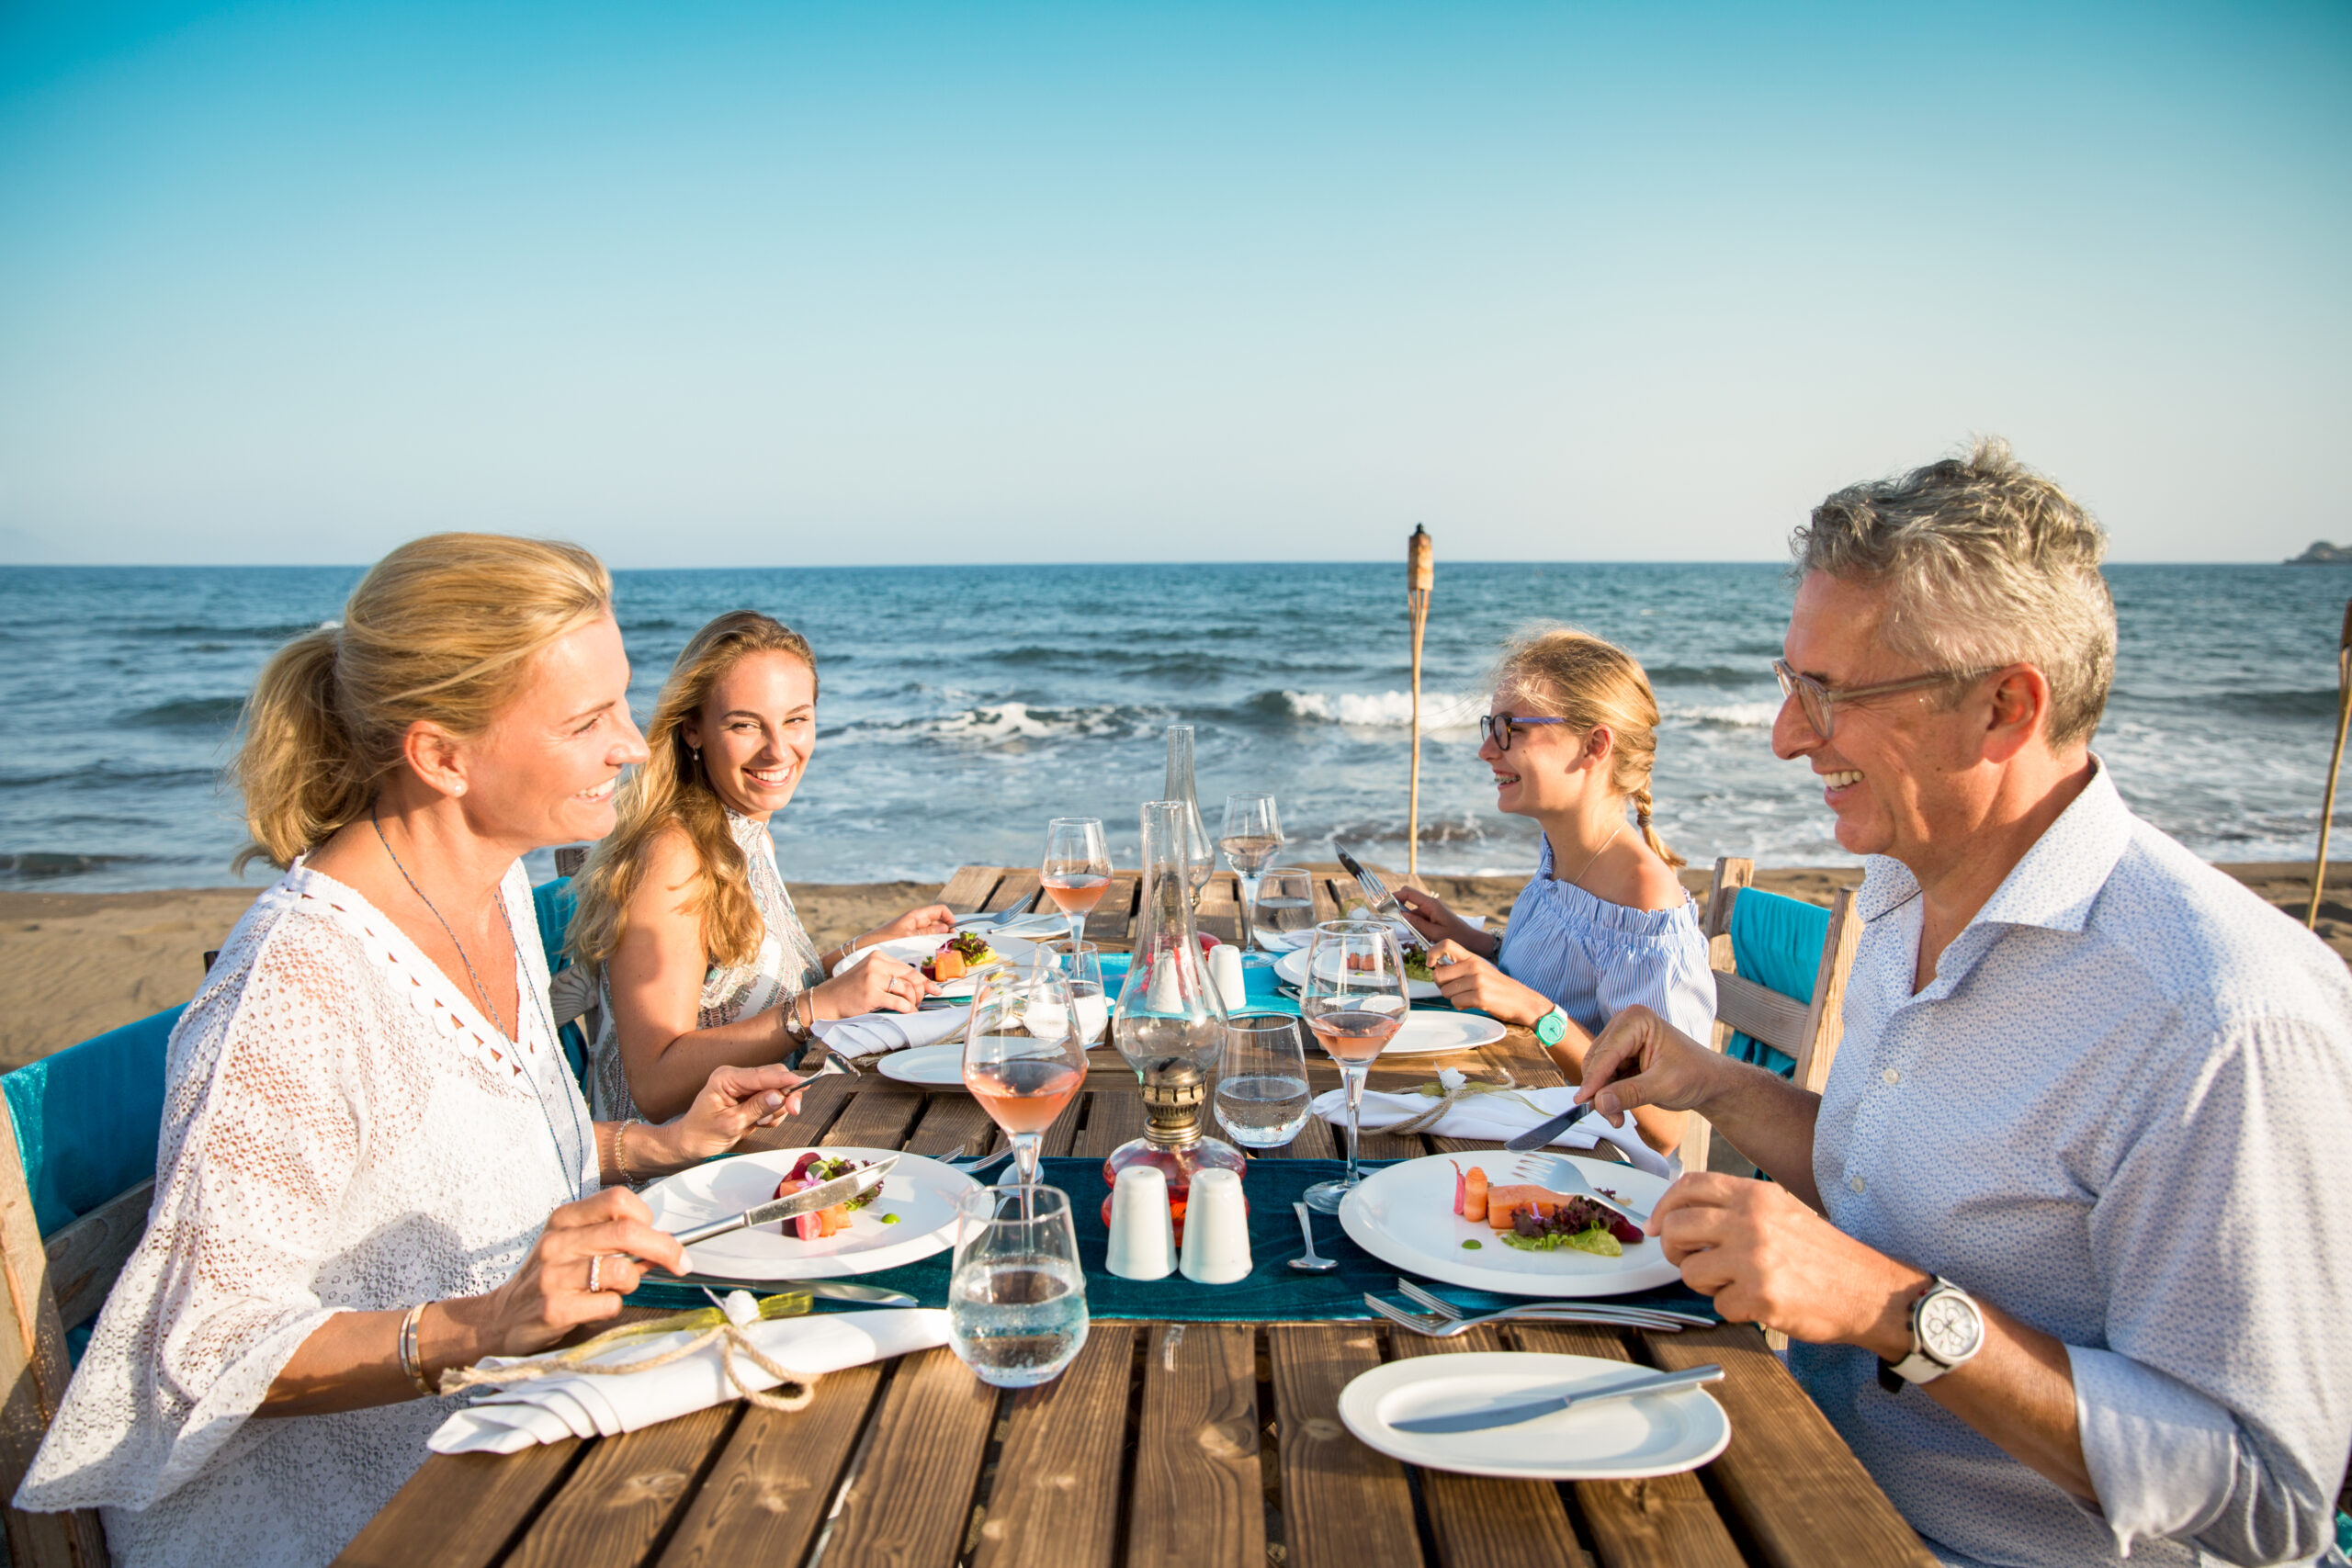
[[1420, 571], [2335, 764]]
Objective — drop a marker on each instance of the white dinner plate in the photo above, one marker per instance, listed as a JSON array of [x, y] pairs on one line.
[[1620, 1440], [933, 1067], [1404, 1215], [1428, 1032], [915, 949], [922, 1194], [1292, 966]]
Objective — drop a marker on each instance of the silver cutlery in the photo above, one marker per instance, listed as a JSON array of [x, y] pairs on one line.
[[1564, 1175], [1377, 897], [972, 1164], [807, 1200], [832, 1290], [1311, 1261], [1440, 1329], [1668, 1316], [1511, 1415], [1542, 1132]]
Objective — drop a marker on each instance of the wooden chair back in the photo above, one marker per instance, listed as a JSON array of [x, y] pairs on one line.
[[1807, 1031]]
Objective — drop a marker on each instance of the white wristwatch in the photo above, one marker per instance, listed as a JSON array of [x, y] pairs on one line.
[[1946, 1330]]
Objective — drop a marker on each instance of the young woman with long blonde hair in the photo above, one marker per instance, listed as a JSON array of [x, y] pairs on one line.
[[705, 960], [374, 1164], [1571, 734]]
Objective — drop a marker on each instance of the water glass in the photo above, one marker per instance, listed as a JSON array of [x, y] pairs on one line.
[[1261, 1093], [1252, 835], [1354, 998], [1080, 966], [1075, 869], [1285, 900], [1016, 1299]]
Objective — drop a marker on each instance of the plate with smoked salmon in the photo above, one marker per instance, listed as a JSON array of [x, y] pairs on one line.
[[955, 962], [1473, 1220], [910, 1216]]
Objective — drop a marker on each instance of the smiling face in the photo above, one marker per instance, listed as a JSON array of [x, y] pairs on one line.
[[1548, 767], [756, 729], [1903, 768], [545, 770]]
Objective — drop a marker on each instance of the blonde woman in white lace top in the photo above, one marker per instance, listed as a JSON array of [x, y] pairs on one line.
[[374, 1164], [703, 961]]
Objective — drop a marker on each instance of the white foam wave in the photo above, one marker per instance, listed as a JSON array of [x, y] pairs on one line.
[[1385, 710], [1733, 716], [996, 724]]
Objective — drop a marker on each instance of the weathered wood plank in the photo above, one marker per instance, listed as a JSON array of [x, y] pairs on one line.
[[460, 1510], [1343, 1505], [873, 1121], [1660, 1523], [1111, 923], [1057, 1494], [1762, 1011], [1803, 1497], [1479, 1520], [910, 1502], [1113, 1116], [86, 1256], [1198, 1497], [821, 1103], [775, 1482], [953, 1123], [620, 1498], [1018, 890], [968, 891]]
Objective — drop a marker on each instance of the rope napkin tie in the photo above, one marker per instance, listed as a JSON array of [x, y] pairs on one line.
[[1448, 1094], [724, 1324]]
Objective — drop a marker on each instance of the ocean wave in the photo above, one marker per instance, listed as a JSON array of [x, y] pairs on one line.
[[188, 713], [41, 865], [1705, 675], [986, 725], [282, 632], [1377, 710], [1725, 716], [2314, 702]]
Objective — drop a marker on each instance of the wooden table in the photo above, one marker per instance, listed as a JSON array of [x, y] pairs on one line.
[[1189, 1445]]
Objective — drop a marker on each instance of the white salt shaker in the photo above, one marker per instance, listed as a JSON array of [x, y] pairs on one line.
[[1225, 968], [1216, 1229], [1142, 1244]]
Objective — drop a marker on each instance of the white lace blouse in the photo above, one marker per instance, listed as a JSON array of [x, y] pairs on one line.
[[342, 1132]]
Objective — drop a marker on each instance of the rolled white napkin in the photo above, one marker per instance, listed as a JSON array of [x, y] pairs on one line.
[[584, 1404], [1498, 1116], [873, 1033]]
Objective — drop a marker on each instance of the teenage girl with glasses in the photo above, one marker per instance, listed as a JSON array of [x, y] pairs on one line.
[[1604, 924]]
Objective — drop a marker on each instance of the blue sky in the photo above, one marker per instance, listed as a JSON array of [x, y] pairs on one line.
[[773, 284]]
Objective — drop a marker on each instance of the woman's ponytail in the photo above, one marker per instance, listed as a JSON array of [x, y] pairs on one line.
[[1649, 834], [296, 767]]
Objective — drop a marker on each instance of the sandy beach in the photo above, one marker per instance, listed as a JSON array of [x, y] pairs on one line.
[[73, 965]]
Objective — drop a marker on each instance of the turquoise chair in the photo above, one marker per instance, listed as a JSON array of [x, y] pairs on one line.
[[1781, 966], [554, 904]]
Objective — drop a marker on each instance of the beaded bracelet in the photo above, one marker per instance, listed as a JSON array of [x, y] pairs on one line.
[[410, 1362]]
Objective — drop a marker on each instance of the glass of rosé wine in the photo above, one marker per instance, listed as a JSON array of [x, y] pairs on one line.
[[1024, 1056], [1076, 869], [1354, 999]]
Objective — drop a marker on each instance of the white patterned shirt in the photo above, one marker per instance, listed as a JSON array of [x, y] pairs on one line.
[[2118, 1114]]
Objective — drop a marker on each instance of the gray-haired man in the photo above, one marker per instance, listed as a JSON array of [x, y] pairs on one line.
[[2068, 1239]]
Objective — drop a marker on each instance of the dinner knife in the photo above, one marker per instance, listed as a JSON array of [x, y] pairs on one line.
[[1542, 1132], [807, 1200], [1528, 1410], [832, 1290]]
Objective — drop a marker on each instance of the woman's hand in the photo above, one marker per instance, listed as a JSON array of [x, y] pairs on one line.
[[1427, 914], [735, 1100], [1469, 981], [931, 920], [881, 984], [549, 1296]]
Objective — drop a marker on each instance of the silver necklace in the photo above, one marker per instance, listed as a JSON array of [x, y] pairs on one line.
[[579, 1137], [1577, 880]]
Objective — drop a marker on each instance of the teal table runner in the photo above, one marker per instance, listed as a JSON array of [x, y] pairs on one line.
[[1274, 1291]]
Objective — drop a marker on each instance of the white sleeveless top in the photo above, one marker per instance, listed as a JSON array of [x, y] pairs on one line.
[[342, 1131], [784, 965]]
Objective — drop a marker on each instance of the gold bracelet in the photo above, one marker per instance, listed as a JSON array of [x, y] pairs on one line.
[[410, 1361], [621, 1156]]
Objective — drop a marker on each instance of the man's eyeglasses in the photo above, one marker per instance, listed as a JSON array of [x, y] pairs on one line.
[[1819, 702], [1499, 727]]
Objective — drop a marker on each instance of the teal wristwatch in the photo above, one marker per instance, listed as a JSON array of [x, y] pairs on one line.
[[1553, 1027]]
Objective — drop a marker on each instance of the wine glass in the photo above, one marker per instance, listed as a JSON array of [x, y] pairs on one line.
[[1023, 1059], [1016, 1299], [1354, 999], [1080, 964], [1262, 1095], [1252, 836], [1076, 869], [1285, 900]]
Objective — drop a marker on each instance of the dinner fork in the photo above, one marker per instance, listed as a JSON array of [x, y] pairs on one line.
[[1666, 1316], [1565, 1176], [1442, 1329]]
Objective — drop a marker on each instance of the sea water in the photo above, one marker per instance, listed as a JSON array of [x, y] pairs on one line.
[[962, 708]]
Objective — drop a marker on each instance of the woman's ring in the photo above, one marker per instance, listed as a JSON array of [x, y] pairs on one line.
[[596, 1274]]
